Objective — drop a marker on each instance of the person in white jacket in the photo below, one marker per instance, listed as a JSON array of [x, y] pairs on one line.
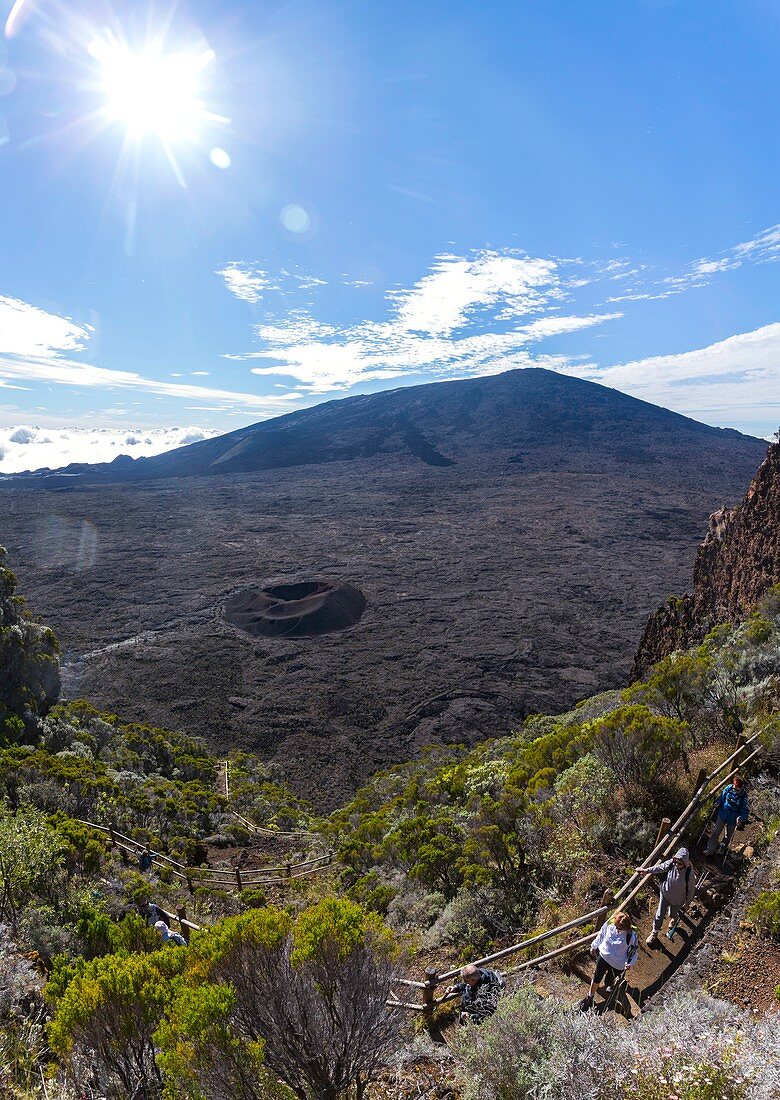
[[616, 946]]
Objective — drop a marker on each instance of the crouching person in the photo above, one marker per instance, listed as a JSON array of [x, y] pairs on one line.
[[615, 947], [168, 936], [480, 989], [677, 889]]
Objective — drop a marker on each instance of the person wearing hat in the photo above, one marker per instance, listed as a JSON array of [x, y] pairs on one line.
[[168, 936], [677, 889]]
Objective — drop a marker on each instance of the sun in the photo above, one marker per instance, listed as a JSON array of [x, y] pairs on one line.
[[151, 91]]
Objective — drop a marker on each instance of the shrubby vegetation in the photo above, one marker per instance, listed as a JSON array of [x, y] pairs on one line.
[[456, 848], [263, 1005], [523, 829], [30, 679], [694, 1048]]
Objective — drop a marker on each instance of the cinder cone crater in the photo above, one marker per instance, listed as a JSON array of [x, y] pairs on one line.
[[304, 609]]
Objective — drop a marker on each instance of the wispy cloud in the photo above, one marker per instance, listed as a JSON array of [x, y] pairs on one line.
[[247, 281], [737, 378], [30, 447], [509, 286], [763, 248], [27, 330], [37, 346], [460, 318]]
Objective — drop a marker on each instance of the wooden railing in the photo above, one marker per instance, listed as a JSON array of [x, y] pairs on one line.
[[250, 826], [236, 878], [668, 838]]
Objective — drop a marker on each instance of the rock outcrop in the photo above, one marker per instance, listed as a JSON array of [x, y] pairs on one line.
[[737, 563]]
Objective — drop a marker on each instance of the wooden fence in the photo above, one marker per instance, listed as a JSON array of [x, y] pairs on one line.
[[668, 838], [236, 878], [250, 826]]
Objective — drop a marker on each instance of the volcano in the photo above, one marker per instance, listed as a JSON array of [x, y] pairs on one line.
[[507, 538]]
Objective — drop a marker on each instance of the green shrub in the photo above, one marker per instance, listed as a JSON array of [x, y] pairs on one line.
[[764, 913]]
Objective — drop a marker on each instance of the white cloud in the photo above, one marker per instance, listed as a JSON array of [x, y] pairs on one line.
[[35, 346], [22, 435], [509, 285], [27, 330], [459, 319], [29, 447], [763, 248], [733, 380], [246, 281]]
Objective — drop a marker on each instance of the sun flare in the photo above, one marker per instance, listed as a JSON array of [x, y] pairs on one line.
[[151, 91]]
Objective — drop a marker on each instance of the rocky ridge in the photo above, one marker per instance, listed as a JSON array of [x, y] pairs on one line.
[[736, 564]]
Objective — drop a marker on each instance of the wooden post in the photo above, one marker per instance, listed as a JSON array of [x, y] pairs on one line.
[[288, 870], [608, 899], [663, 829], [703, 773], [740, 739], [431, 981], [181, 913], [112, 836], [238, 878]]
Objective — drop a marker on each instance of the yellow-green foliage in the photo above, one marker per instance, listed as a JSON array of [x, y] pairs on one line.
[[764, 912], [198, 1047], [30, 853], [111, 1008]]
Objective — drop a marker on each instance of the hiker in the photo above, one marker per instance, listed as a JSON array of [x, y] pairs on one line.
[[479, 989], [731, 810], [145, 860], [677, 889], [168, 936], [153, 913], [615, 946]]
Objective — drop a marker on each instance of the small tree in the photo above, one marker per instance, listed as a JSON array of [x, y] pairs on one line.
[[677, 686], [309, 997], [30, 853], [29, 664], [107, 1016], [639, 746]]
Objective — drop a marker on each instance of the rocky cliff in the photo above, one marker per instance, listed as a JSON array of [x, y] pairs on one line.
[[736, 564]]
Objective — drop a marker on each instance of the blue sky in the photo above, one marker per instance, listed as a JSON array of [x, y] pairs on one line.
[[388, 194]]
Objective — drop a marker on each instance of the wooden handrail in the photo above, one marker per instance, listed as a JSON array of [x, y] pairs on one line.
[[663, 847], [217, 875]]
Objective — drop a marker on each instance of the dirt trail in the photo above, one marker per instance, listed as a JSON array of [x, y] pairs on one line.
[[658, 964]]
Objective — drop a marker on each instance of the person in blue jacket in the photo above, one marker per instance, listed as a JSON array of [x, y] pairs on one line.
[[732, 812]]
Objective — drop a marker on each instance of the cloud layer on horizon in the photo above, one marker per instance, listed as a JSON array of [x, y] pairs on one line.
[[742, 372], [31, 447]]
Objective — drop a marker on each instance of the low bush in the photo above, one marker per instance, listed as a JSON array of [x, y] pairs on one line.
[[692, 1048], [764, 913]]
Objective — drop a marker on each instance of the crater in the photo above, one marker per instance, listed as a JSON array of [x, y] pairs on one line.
[[304, 609]]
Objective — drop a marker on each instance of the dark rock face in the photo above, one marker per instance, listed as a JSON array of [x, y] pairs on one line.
[[301, 610], [515, 578], [737, 563]]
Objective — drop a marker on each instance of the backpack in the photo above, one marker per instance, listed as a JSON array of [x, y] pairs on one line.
[[734, 799]]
